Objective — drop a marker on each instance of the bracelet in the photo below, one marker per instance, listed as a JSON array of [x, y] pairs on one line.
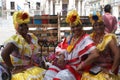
[[12, 68], [82, 64], [110, 72]]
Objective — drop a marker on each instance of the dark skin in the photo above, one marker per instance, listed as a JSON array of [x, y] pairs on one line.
[[8, 49], [116, 53], [99, 31], [11, 48], [78, 32], [23, 30]]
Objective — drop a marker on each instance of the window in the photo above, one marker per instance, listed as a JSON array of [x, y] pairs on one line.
[[12, 5], [29, 4], [53, 8], [38, 5], [11, 13], [64, 9]]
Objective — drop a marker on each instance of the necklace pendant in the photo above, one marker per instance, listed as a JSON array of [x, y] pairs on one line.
[[69, 48]]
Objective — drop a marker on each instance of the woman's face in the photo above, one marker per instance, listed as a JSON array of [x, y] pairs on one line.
[[99, 27], [22, 29], [76, 29]]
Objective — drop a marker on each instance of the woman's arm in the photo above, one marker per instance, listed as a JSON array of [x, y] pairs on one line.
[[115, 50], [8, 49], [91, 58]]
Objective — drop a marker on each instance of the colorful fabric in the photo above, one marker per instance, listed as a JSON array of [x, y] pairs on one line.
[[74, 57], [105, 60], [33, 73], [106, 39], [23, 57], [51, 72], [73, 18], [119, 76], [55, 67], [20, 17], [99, 76], [25, 49], [75, 73], [110, 22], [95, 17], [106, 56]]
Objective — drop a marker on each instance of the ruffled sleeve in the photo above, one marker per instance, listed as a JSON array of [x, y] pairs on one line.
[[106, 39], [17, 40]]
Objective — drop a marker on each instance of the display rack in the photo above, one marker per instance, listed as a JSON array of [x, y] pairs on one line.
[[45, 27]]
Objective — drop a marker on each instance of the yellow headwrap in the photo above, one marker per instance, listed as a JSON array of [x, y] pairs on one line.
[[20, 17], [97, 17], [73, 18]]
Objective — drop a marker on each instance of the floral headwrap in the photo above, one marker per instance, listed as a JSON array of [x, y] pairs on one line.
[[20, 17], [73, 18], [95, 18]]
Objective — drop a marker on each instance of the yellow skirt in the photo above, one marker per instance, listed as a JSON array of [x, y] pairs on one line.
[[34, 73], [100, 76]]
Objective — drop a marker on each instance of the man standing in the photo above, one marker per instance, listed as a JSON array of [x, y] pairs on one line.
[[110, 21]]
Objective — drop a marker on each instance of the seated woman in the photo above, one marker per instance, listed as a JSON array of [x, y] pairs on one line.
[[57, 60], [79, 45], [21, 50], [107, 45]]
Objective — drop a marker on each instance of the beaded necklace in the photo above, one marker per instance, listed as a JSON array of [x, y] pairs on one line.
[[73, 42], [97, 38]]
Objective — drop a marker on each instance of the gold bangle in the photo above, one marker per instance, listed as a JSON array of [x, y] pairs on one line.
[[110, 72], [83, 64]]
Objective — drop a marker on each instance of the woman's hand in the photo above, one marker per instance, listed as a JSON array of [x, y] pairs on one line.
[[107, 71], [61, 60], [80, 66]]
